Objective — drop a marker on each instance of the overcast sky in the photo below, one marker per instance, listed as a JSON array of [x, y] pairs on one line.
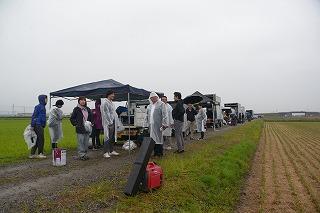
[[263, 54]]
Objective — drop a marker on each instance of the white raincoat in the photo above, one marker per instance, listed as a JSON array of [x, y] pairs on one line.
[[156, 117], [55, 124], [201, 119], [185, 119], [109, 116], [168, 131]]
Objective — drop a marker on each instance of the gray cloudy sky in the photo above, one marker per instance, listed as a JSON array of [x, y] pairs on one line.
[[263, 54]]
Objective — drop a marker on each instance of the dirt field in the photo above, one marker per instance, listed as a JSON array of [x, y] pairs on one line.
[[285, 175]]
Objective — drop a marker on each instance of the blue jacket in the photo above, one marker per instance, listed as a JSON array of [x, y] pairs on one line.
[[39, 113]]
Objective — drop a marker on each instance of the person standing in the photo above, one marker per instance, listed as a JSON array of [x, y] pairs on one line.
[[234, 118], [82, 119], [97, 125], [38, 123], [185, 122], [178, 117], [157, 121], [201, 119], [109, 116], [167, 133], [55, 123], [191, 118]]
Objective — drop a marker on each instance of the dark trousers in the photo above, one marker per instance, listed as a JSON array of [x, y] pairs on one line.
[[202, 135], [108, 147], [158, 149], [178, 126], [96, 137], [40, 140], [54, 145]]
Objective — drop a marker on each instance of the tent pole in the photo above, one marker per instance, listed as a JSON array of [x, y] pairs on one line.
[[214, 117], [50, 102], [129, 122]]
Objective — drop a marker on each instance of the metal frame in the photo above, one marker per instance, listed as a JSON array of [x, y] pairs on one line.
[[128, 102]]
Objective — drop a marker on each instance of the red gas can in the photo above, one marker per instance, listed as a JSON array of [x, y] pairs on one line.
[[154, 176]]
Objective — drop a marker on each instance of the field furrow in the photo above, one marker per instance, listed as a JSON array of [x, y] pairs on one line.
[[269, 183], [304, 149], [306, 136], [288, 167], [284, 197], [302, 158], [303, 174]]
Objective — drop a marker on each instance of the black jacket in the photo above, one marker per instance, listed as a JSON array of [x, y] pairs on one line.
[[178, 111], [76, 119], [191, 115]]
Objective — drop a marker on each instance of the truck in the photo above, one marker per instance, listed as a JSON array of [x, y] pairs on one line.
[[137, 116], [243, 116], [236, 112], [214, 110], [229, 114], [250, 114]]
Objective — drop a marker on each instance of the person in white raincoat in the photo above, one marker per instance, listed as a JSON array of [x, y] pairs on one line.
[[185, 122], [109, 123], [157, 121], [167, 133], [201, 119], [55, 123]]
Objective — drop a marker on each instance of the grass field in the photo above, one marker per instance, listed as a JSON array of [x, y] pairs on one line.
[[207, 178], [13, 147], [211, 176]]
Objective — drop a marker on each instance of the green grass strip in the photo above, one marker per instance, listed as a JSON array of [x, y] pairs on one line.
[[208, 178]]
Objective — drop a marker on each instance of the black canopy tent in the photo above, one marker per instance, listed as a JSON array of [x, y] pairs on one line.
[[205, 101], [124, 92], [98, 90]]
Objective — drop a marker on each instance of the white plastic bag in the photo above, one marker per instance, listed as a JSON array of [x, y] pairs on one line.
[[129, 145], [90, 142], [88, 127], [30, 137]]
